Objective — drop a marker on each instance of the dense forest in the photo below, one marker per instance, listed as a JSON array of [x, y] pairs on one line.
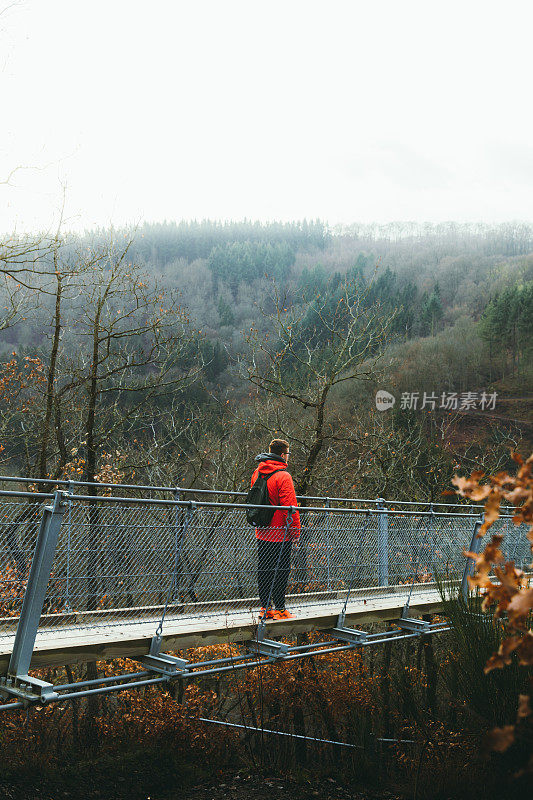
[[171, 352]]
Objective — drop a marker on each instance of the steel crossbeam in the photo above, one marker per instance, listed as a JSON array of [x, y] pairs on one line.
[[169, 668]]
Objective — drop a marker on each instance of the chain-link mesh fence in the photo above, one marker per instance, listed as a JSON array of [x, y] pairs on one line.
[[20, 519], [515, 546], [120, 562]]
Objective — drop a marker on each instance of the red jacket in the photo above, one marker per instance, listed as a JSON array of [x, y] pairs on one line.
[[281, 493]]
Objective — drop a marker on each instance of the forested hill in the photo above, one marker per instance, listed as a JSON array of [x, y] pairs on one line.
[[434, 276], [161, 243], [171, 351]]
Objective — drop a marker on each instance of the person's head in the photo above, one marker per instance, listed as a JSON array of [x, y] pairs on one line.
[[280, 448]]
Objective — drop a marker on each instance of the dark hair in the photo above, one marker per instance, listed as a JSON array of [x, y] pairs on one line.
[[278, 447]]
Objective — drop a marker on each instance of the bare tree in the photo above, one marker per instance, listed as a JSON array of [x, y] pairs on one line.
[[129, 350], [24, 265], [307, 357]]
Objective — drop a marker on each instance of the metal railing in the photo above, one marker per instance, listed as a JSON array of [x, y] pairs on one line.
[[121, 560], [180, 492]]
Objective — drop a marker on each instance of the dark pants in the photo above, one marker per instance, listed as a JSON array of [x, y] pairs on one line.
[[272, 584]]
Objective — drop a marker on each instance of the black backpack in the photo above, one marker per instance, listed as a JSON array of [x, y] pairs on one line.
[[258, 496]]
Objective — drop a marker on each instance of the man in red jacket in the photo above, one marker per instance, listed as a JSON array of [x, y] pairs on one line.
[[274, 544]]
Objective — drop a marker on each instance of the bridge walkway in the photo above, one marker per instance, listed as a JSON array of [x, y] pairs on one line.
[[84, 642], [90, 577]]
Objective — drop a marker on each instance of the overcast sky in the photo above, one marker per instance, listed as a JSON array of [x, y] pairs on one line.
[[347, 111]]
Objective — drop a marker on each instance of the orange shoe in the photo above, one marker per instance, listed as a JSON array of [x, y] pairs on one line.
[[270, 613], [285, 614]]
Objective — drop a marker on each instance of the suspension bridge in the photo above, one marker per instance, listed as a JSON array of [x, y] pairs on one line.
[[138, 571]]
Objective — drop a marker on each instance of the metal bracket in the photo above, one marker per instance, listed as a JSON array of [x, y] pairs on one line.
[[410, 624], [267, 647], [163, 663], [344, 634], [28, 688], [351, 635]]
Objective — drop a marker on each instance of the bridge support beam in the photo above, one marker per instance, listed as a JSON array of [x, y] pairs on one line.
[[18, 681]]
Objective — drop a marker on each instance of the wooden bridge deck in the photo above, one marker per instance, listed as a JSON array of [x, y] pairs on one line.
[[129, 637]]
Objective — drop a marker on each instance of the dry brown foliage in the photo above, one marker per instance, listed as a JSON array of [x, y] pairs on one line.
[[505, 588]]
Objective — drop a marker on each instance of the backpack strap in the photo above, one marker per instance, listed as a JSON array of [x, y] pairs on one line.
[[266, 477], [273, 473]]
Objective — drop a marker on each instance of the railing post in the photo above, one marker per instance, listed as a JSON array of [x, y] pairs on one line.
[[34, 596], [328, 545], [177, 496], [475, 545], [70, 491], [383, 543]]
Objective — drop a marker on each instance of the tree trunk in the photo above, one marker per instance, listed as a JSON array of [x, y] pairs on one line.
[[318, 442], [43, 455], [93, 511], [90, 468], [431, 669], [302, 485], [300, 745], [385, 688]]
